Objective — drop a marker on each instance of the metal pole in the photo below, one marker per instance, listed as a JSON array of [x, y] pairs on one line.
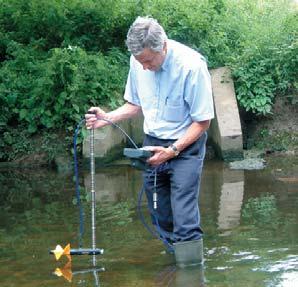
[[92, 170]]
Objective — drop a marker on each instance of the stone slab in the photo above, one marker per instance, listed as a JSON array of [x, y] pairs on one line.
[[225, 131]]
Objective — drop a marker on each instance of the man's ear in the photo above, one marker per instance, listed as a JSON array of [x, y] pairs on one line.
[[165, 47]]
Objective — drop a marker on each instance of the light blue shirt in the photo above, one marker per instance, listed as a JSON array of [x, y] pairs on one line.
[[173, 97]]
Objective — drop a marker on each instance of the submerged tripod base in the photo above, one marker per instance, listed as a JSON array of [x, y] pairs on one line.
[[86, 251], [67, 251]]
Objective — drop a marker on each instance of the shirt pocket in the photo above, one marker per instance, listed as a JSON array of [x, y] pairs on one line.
[[173, 111]]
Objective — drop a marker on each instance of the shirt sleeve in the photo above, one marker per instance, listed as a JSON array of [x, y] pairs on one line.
[[131, 94], [198, 94]]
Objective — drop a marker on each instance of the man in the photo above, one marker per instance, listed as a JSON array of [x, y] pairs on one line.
[[170, 84]]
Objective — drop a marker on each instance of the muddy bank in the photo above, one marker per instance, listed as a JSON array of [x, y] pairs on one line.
[[276, 133]]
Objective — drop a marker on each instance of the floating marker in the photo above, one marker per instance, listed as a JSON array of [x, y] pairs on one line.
[[59, 251]]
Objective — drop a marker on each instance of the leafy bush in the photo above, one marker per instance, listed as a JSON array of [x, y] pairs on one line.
[[56, 91], [39, 92], [90, 24], [264, 61], [260, 78]]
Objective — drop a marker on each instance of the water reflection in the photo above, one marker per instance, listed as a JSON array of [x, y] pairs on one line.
[[172, 276], [114, 184], [231, 198], [68, 273]]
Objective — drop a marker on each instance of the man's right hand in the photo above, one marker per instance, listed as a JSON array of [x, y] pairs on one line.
[[93, 117]]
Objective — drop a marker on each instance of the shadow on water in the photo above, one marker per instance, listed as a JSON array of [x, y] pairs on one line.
[[249, 219]]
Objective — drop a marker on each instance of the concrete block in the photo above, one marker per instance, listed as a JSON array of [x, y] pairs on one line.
[[225, 131]]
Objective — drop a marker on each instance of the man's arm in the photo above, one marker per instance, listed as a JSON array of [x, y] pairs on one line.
[[126, 111], [194, 131]]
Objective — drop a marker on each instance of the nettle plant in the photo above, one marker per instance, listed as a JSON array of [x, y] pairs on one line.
[[262, 75], [255, 87]]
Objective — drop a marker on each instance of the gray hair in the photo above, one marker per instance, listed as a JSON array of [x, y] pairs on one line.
[[145, 32]]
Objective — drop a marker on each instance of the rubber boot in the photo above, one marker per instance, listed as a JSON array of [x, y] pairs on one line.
[[188, 253]]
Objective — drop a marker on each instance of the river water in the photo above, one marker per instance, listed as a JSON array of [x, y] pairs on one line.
[[249, 219]]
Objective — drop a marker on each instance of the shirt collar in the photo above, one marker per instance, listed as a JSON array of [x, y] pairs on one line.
[[166, 62]]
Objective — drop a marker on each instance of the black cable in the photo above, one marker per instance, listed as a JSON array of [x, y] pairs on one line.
[[122, 130]]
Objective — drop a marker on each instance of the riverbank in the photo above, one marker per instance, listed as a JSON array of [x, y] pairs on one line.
[[276, 134]]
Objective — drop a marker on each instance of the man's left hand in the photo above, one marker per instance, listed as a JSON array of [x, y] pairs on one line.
[[161, 154]]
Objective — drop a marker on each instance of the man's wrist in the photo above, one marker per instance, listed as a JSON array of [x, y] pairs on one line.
[[174, 149]]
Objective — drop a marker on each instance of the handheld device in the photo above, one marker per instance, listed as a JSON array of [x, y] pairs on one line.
[[91, 112], [138, 157]]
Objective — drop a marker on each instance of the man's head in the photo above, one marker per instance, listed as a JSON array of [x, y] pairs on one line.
[[146, 40]]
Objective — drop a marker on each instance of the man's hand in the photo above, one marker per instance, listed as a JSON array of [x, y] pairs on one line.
[[161, 154], [93, 118]]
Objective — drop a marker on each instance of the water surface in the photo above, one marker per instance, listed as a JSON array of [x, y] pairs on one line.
[[249, 219]]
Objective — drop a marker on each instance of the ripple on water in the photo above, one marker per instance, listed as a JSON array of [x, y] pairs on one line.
[[290, 263], [245, 255]]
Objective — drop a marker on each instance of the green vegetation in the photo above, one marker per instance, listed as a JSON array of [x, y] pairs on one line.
[[280, 141], [57, 58]]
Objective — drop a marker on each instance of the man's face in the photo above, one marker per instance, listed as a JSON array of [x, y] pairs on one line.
[[151, 60]]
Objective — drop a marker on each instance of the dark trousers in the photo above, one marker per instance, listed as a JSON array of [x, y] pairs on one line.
[[177, 185]]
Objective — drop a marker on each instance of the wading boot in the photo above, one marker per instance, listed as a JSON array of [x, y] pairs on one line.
[[188, 253]]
